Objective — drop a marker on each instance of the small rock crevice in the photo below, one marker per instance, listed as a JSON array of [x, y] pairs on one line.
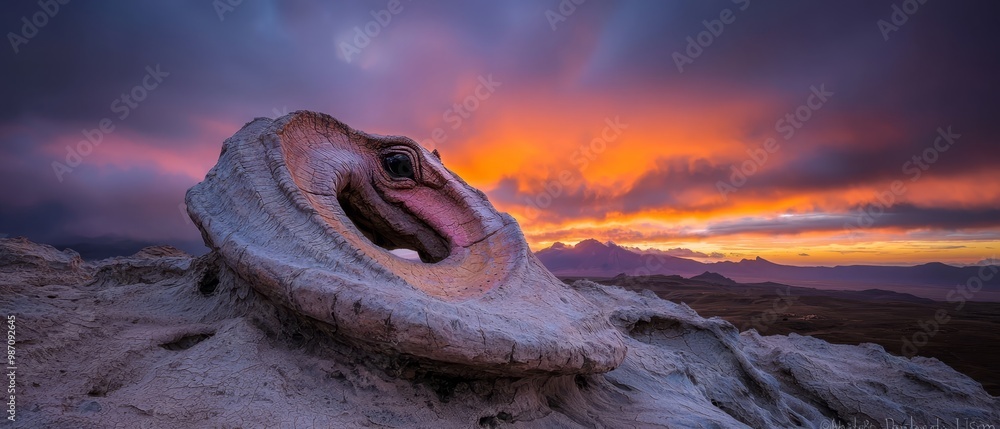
[[185, 342]]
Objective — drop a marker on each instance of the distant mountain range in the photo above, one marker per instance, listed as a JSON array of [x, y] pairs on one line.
[[591, 258]]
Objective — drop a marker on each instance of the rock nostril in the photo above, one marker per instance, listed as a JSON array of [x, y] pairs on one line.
[[208, 283], [186, 342]]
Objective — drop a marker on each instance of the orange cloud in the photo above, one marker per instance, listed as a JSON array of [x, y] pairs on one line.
[[519, 145]]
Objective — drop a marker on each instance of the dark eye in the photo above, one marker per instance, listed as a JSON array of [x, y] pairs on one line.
[[398, 165]]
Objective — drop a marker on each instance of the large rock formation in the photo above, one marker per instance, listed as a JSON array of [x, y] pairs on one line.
[[305, 210], [301, 317]]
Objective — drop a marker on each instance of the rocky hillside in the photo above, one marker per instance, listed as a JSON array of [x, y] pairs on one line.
[[161, 339]]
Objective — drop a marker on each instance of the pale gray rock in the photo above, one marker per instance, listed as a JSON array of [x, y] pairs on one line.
[[306, 210], [196, 348]]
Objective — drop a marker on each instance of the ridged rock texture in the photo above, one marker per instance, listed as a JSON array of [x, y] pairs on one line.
[[301, 317], [306, 210]]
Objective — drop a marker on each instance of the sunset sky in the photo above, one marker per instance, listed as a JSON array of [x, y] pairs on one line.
[[600, 120]]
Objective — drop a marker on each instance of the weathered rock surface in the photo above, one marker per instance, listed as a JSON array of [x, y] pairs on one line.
[[112, 344], [306, 210], [301, 317]]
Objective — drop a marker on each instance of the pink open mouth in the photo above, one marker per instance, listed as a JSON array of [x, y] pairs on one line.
[[420, 237]]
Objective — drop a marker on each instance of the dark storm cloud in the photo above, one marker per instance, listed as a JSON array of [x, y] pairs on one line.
[[261, 57], [267, 51], [833, 166], [937, 70], [139, 203], [932, 73], [901, 216]]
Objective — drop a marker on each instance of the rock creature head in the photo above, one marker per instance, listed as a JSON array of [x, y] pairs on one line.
[[306, 210]]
